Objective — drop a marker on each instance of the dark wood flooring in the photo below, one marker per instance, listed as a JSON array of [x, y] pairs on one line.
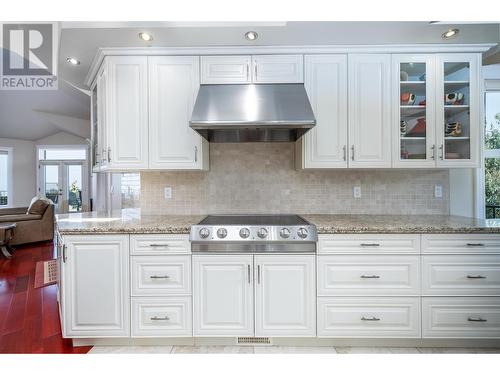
[[29, 317]]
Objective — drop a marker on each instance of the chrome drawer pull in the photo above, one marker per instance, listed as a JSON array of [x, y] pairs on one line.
[[476, 277], [370, 276], [372, 319], [159, 277], [475, 244], [470, 319], [159, 318], [157, 245], [370, 244]]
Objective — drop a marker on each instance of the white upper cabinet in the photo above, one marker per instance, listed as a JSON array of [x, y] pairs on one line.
[[369, 110], [278, 69], [126, 112], [285, 294], [173, 85], [225, 69], [325, 146], [252, 69]]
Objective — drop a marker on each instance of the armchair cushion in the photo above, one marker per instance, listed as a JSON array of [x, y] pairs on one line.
[[18, 217], [38, 206]]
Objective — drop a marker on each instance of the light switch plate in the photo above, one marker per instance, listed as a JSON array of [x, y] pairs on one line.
[[168, 192], [356, 191], [438, 191]]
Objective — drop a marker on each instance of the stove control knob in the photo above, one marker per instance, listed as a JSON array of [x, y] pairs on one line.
[[302, 232], [204, 233], [222, 232], [244, 233], [285, 233], [262, 233]]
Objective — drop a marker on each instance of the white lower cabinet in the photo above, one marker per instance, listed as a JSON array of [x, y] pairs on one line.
[[285, 295], [161, 316], [369, 317], [223, 295], [461, 317], [96, 293]]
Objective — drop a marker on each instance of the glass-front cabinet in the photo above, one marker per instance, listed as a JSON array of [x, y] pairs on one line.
[[435, 110]]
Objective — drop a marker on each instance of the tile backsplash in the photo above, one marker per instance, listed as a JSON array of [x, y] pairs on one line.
[[260, 178]]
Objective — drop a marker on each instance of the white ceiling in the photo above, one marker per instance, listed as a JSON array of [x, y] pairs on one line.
[[34, 115]]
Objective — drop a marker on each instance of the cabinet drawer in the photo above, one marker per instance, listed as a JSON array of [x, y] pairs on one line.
[[461, 317], [461, 275], [368, 317], [368, 275], [163, 275], [159, 244], [461, 243], [166, 316], [369, 244]]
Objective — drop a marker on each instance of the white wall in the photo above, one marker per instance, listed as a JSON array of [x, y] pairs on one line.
[[62, 138], [23, 170]]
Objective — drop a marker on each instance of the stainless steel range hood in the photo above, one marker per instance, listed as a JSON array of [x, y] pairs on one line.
[[252, 113]]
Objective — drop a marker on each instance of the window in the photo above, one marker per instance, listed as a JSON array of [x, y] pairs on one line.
[[492, 155], [62, 154], [5, 177]]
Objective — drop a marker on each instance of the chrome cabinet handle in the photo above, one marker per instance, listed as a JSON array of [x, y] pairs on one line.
[[372, 319], [248, 71], [64, 253], [471, 319], [159, 277], [370, 244], [441, 148], [345, 152], [433, 149], [475, 244], [352, 153], [109, 154], [248, 273], [258, 274], [195, 153], [476, 277], [370, 276], [158, 245], [159, 318], [103, 154], [255, 69]]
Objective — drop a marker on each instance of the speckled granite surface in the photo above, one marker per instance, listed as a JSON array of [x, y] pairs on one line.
[[401, 224], [125, 221], [132, 221]]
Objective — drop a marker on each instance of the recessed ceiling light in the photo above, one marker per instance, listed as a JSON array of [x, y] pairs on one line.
[[451, 33], [251, 35], [73, 61], [146, 37]]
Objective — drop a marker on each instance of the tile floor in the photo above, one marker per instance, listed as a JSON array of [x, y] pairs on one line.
[[282, 349]]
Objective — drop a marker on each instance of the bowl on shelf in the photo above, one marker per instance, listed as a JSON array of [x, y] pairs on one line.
[[454, 98], [453, 129], [408, 98]]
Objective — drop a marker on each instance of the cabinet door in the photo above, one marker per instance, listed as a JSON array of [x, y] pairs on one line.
[[225, 69], [127, 112], [369, 110], [173, 85], [325, 145], [285, 295], [413, 104], [458, 119], [101, 126], [278, 69], [96, 286], [223, 295]]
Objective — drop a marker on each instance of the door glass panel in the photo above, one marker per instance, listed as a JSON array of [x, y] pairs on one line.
[[51, 188], [74, 184], [413, 127], [456, 126]]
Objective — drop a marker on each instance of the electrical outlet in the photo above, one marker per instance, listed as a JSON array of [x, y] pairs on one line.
[[168, 192], [357, 191], [438, 191]]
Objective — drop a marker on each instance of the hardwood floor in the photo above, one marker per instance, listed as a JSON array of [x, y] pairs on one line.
[[29, 317]]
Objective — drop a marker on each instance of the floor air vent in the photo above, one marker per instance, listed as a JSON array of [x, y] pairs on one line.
[[254, 341]]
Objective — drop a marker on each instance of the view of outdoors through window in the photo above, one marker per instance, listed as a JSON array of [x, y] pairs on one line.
[[492, 155], [4, 178]]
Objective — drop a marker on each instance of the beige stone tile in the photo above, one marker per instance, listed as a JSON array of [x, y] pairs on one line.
[[214, 349], [459, 350], [375, 350], [294, 349], [131, 349]]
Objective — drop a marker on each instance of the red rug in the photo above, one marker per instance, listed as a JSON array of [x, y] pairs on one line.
[[45, 273]]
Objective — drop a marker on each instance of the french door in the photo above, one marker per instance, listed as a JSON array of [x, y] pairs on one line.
[[65, 183]]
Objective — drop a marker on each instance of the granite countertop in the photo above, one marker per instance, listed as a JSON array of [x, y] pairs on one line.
[[132, 221], [332, 224]]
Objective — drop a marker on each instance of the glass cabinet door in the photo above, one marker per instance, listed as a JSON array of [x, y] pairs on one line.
[[414, 110], [457, 116]]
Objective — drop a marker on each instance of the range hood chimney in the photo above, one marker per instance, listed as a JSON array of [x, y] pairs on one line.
[[252, 113]]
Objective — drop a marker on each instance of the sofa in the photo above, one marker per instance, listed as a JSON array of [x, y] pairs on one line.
[[33, 224]]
